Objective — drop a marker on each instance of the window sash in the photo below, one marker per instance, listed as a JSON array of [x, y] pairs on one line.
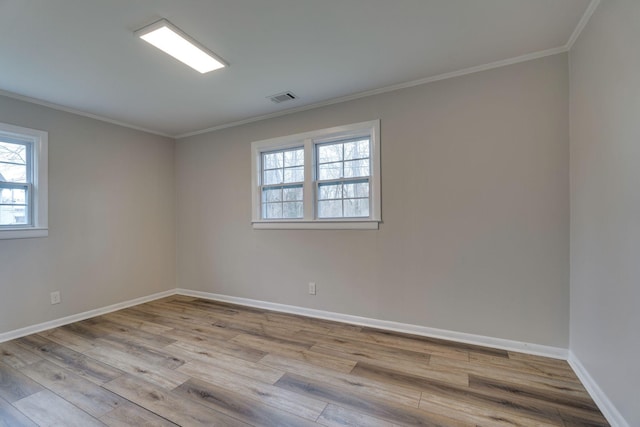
[[283, 168], [27, 187], [28, 163], [282, 201], [342, 199]]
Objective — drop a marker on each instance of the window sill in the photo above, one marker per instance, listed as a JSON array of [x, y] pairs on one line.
[[316, 225], [23, 233]]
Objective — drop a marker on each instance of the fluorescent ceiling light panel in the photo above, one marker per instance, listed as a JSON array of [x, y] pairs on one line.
[[169, 39]]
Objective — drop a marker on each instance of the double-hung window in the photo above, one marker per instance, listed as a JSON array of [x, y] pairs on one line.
[[23, 182], [282, 184], [328, 178], [342, 178]]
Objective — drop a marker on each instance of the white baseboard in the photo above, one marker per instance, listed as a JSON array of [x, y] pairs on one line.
[[608, 409], [33, 329], [499, 343]]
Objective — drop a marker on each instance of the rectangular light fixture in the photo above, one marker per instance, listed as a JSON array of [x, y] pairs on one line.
[[171, 40]]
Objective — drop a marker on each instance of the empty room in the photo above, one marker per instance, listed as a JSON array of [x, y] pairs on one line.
[[329, 213]]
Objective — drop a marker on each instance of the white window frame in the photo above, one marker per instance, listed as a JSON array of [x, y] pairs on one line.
[[309, 140], [38, 184]]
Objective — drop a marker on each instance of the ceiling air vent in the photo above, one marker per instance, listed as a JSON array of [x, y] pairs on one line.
[[282, 97]]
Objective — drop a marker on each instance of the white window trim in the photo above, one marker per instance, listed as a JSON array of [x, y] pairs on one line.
[[308, 141], [40, 185]]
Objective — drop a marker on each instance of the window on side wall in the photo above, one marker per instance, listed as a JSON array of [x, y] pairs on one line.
[[23, 182], [329, 178]]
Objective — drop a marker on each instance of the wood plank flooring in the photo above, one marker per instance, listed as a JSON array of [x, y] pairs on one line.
[[192, 362]]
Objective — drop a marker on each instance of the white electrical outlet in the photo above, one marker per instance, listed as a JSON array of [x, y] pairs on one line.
[[312, 288], [55, 297]]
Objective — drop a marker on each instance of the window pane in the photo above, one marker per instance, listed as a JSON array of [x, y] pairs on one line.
[[357, 189], [13, 209], [292, 194], [13, 173], [330, 171], [13, 153], [330, 209], [356, 149], [13, 215], [344, 160], [292, 210], [271, 195], [279, 210], [295, 174], [356, 168], [272, 210], [329, 191], [272, 160], [13, 196], [329, 153], [294, 157], [272, 177], [356, 207]]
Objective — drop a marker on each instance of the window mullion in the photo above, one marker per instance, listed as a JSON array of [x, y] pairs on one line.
[[309, 188]]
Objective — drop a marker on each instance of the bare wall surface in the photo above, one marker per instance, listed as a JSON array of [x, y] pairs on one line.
[[111, 220], [475, 203], [605, 202]]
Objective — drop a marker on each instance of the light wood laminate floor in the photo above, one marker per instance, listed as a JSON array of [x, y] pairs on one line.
[[192, 362]]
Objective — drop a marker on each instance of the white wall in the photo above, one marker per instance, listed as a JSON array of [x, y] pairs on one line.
[[475, 186], [605, 202], [111, 220]]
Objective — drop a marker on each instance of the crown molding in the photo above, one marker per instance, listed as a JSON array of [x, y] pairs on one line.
[[405, 85], [586, 16], [58, 107]]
